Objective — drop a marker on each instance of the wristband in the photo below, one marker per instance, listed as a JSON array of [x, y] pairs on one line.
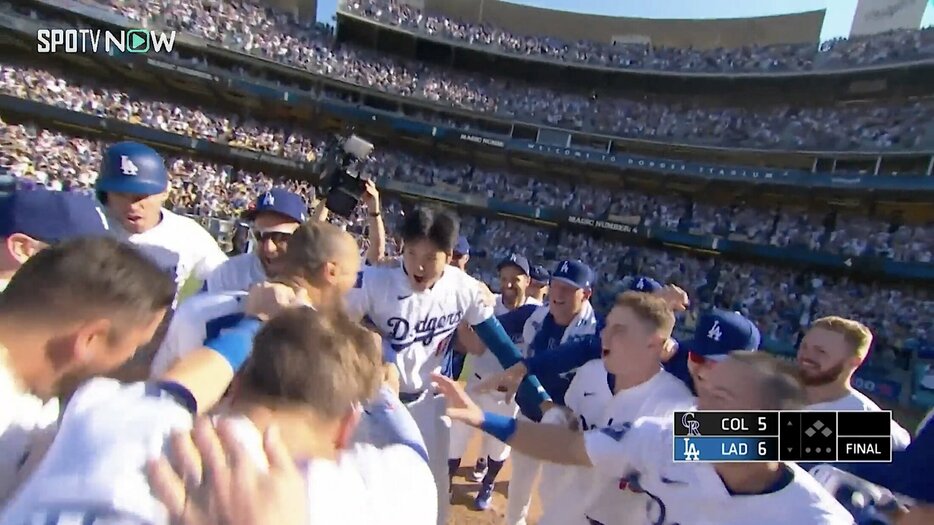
[[235, 345], [499, 426]]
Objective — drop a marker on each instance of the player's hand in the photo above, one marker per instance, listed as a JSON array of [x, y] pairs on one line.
[[506, 382], [267, 299], [559, 415], [225, 485], [371, 196], [460, 406], [676, 298]]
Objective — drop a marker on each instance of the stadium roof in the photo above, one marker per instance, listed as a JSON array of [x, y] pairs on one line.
[[702, 34]]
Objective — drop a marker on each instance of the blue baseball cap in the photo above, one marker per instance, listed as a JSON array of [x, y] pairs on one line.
[[719, 332], [462, 247], [51, 216], [539, 274], [644, 284], [281, 201], [516, 260], [575, 273]]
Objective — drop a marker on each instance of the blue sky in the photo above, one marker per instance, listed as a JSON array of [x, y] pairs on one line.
[[836, 23]]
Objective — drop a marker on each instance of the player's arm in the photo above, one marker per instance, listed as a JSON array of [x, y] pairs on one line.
[[376, 233], [210, 257], [203, 375], [604, 448], [468, 342], [491, 332], [908, 473], [390, 423], [568, 356]]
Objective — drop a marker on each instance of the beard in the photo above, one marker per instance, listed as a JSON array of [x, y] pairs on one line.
[[820, 377]]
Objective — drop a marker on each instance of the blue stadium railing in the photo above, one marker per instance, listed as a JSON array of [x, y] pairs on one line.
[[877, 381]]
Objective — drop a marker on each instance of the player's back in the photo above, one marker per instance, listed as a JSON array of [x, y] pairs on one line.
[[367, 484], [197, 319], [95, 466]]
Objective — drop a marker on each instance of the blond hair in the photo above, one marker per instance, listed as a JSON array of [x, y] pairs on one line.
[[650, 308], [855, 333], [321, 360], [780, 387]]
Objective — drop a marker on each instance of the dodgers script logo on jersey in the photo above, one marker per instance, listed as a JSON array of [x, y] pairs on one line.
[[426, 331]]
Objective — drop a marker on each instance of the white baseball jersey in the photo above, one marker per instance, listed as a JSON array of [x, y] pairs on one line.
[[23, 419], [693, 493], [179, 245], [581, 493], [486, 363], [95, 467], [856, 401], [236, 274], [417, 328], [198, 318]]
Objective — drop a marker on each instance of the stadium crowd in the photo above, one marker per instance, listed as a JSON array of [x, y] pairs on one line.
[[842, 234], [895, 46], [783, 301], [255, 29]]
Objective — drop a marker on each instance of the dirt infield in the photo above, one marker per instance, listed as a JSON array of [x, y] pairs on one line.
[[462, 511]]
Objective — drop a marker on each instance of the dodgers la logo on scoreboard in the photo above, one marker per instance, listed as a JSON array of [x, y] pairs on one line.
[[725, 436]]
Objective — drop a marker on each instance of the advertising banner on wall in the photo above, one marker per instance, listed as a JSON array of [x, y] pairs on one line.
[[879, 16]]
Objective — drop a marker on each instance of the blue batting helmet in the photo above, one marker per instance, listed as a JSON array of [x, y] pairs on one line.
[[131, 167]]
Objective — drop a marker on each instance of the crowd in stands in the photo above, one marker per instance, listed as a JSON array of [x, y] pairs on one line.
[[895, 46], [258, 30], [790, 226], [781, 300]]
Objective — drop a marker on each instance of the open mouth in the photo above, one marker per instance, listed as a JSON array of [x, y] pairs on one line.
[[420, 279]]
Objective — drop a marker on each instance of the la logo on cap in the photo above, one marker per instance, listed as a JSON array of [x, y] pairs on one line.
[[268, 199], [564, 267]]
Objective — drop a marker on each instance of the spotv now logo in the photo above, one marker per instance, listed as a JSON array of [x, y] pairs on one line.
[[102, 41]]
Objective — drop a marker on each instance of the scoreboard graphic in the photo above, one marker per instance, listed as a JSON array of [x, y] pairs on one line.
[[814, 437]]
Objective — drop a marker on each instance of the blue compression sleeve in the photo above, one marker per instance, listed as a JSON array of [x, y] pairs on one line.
[[506, 352], [390, 423], [499, 426], [236, 344], [566, 357]]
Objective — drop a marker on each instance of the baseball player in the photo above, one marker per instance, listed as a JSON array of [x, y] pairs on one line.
[[461, 253], [322, 262], [627, 383], [133, 185], [828, 356], [417, 308], [312, 399], [538, 285], [53, 333], [274, 217], [578, 351], [567, 318], [765, 493], [514, 280], [31, 220]]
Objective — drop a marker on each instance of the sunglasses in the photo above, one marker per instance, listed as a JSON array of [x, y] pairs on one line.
[[277, 238]]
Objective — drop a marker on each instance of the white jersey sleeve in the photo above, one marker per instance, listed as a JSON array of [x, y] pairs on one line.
[[208, 256], [96, 465], [197, 319], [624, 447], [358, 300], [477, 310], [857, 401], [236, 274]]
